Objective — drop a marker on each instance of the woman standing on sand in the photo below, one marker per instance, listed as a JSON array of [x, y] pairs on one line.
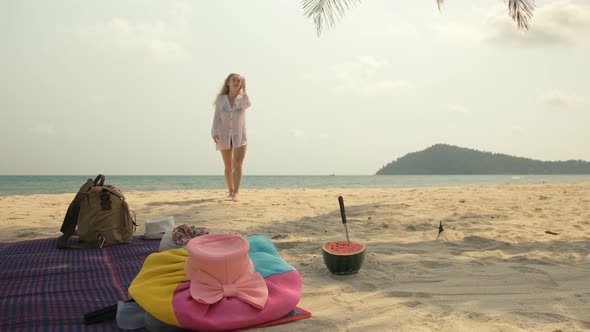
[[229, 129]]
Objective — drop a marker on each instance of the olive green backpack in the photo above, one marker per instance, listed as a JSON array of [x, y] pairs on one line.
[[99, 215]]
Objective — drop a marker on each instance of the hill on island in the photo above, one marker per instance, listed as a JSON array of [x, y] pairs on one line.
[[443, 159]]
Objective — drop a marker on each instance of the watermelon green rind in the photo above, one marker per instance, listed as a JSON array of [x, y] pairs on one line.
[[345, 263]]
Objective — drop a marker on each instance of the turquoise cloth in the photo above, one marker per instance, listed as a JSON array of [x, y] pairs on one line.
[[265, 257]]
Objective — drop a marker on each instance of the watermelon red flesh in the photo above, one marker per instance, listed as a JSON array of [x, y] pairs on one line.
[[343, 248]]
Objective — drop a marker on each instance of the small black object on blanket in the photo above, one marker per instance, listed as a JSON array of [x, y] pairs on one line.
[[101, 315]]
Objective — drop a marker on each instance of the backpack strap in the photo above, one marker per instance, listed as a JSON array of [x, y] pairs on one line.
[[68, 228], [131, 214], [99, 181]]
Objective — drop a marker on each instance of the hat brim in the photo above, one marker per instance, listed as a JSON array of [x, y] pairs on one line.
[[152, 236]]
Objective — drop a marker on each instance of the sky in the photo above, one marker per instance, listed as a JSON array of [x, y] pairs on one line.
[[125, 87]]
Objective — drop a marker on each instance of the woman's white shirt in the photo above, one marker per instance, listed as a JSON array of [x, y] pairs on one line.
[[229, 123]]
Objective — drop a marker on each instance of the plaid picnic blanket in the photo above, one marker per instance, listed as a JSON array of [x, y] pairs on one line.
[[47, 289]]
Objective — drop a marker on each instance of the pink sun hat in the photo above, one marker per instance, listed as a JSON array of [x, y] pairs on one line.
[[209, 285], [219, 267]]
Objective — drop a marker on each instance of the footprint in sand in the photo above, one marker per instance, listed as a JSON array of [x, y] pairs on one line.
[[407, 294], [279, 236], [434, 265]]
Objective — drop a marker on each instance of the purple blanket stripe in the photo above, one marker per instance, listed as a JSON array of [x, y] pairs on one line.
[[46, 289]]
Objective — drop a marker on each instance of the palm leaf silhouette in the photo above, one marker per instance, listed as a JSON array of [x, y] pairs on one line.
[[325, 13]]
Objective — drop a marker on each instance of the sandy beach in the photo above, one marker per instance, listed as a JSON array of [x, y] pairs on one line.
[[516, 258]]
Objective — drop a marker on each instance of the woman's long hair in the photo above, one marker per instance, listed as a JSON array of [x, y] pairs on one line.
[[225, 87]]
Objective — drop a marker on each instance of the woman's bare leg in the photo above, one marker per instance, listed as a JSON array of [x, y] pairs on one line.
[[238, 160], [227, 162]]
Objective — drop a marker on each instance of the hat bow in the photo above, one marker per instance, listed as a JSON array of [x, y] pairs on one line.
[[250, 288]]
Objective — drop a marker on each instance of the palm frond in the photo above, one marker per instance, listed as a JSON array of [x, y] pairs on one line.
[[325, 13], [521, 12]]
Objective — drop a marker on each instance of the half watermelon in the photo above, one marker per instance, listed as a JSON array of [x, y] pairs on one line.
[[343, 257]]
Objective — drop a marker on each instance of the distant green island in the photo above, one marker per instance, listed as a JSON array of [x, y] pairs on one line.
[[444, 159]]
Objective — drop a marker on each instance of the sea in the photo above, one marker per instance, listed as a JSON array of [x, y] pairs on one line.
[[29, 185]]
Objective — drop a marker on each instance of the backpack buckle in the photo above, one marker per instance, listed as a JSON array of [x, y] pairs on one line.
[[101, 241], [105, 200]]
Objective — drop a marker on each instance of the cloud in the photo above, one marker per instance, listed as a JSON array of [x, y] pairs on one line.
[[559, 98], [160, 40], [298, 134], [455, 34], [362, 77], [559, 23], [458, 109], [517, 131], [401, 29], [42, 129]]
